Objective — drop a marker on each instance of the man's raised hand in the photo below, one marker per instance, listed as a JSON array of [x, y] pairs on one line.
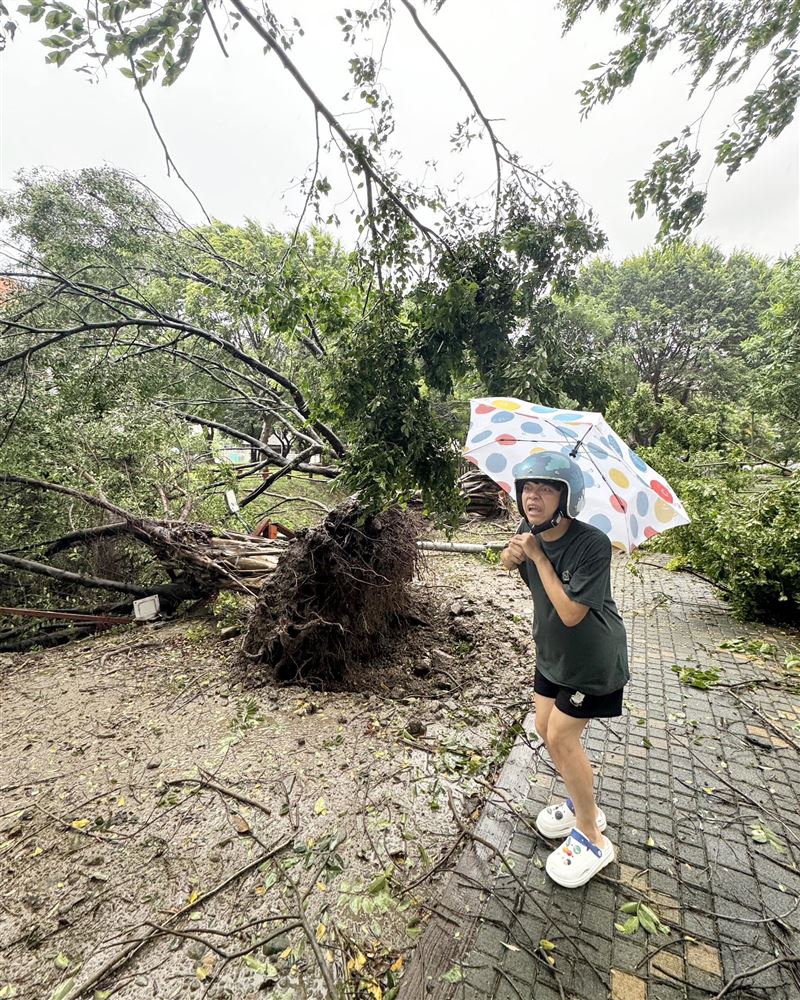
[[513, 554]]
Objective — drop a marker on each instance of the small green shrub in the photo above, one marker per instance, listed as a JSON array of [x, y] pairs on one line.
[[745, 536], [229, 610]]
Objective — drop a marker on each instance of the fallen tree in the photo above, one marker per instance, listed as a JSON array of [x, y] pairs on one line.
[[119, 314], [195, 561]]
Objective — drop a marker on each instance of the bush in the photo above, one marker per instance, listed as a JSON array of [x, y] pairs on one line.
[[745, 536]]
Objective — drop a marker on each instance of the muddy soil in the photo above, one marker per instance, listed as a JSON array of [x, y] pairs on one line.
[[166, 832]]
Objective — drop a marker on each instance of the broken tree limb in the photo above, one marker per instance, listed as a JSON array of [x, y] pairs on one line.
[[68, 616], [295, 463], [54, 545], [784, 960], [474, 547], [28, 566], [43, 640], [41, 484], [197, 558]]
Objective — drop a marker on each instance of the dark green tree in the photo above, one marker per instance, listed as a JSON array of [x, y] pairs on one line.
[[774, 353], [681, 313]]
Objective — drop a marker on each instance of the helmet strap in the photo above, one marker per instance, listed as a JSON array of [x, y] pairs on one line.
[[537, 529]]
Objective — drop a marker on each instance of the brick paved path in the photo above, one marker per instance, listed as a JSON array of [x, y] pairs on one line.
[[691, 769]]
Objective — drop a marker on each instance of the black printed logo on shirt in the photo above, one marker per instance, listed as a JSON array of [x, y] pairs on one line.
[[566, 576]]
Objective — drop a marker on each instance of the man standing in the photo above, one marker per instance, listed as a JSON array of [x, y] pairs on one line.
[[581, 649]]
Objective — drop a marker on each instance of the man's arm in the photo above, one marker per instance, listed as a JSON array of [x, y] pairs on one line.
[[570, 612]]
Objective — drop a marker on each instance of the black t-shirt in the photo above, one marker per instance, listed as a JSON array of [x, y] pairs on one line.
[[591, 656]]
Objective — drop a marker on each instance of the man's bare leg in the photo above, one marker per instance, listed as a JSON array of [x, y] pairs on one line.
[[564, 743], [542, 708]]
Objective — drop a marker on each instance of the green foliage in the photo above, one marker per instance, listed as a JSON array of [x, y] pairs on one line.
[[678, 315], [753, 647], [774, 353], [493, 305], [719, 42], [641, 915], [229, 609], [584, 363], [146, 44], [693, 677], [745, 535], [372, 388], [94, 216], [760, 833], [91, 410]]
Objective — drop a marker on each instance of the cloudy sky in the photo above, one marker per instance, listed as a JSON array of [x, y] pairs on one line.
[[242, 135]]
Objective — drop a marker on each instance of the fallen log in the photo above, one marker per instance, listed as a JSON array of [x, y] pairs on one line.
[[484, 496], [196, 558], [71, 616], [473, 547]]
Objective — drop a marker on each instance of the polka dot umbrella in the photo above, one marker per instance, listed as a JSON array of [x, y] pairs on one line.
[[625, 498]]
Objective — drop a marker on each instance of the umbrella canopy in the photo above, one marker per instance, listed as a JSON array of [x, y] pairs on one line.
[[625, 498]]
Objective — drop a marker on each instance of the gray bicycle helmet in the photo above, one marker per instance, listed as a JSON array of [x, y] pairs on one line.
[[552, 467]]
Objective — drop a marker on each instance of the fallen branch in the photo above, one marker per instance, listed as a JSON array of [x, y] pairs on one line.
[[497, 853], [42, 569], [754, 972], [766, 719], [129, 648], [475, 547], [205, 782]]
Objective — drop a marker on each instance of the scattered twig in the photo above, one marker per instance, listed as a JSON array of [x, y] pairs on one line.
[[754, 972], [128, 953], [766, 719], [525, 890], [206, 782], [128, 648]]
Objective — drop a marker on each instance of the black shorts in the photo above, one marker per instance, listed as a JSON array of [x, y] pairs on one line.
[[591, 706]]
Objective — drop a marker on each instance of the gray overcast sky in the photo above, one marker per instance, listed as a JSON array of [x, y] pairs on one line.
[[241, 133]]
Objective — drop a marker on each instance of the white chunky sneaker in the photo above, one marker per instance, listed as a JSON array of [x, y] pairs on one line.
[[557, 820], [578, 860]]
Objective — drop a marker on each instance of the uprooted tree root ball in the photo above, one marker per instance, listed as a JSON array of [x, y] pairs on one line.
[[339, 589]]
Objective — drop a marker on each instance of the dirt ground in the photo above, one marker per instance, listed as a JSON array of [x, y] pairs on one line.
[[165, 832]]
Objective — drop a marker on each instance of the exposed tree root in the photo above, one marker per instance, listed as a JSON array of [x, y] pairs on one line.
[[338, 590]]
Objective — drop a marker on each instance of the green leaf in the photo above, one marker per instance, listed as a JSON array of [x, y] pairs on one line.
[[762, 834], [54, 42], [630, 926], [377, 885], [265, 968], [630, 907], [62, 992], [647, 922], [454, 975]]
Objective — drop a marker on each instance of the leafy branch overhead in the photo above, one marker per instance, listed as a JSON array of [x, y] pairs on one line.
[[719, 44], [445, 285]]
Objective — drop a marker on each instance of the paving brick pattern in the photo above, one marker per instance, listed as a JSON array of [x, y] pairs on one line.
[[691, 769]]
